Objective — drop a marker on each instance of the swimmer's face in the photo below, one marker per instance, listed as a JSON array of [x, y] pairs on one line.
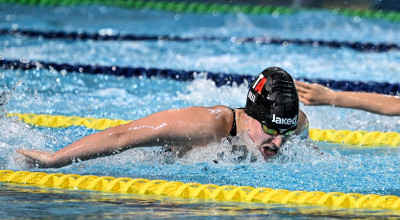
[[268, 145]]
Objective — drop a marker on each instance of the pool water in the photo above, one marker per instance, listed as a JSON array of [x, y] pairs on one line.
[[299, 166]]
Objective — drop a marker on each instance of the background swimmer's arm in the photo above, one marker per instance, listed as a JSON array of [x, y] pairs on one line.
[[315, 94], [188, 126], [372, 102]]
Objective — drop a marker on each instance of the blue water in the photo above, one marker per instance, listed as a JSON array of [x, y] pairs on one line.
[[298, 167]]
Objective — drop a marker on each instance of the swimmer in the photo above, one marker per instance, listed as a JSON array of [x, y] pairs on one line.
[[315, 94], [270, 117]]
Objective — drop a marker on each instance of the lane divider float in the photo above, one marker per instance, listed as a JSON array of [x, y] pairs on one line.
[[220, 79], [200, 191], [358, 46]]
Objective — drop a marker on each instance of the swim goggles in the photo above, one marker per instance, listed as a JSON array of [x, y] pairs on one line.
[[271, 131]]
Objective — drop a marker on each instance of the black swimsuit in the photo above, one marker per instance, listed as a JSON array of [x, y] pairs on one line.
[[240, 151], [233, 130]]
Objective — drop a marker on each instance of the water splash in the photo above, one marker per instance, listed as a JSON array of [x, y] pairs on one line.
[[3, 102], [225, 152], [14, 134], [298, 150], [204, 92]]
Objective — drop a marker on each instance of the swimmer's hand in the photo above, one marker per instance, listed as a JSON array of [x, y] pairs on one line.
[[38, 158], [314, 94]]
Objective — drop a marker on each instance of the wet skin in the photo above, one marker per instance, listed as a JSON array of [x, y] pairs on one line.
[[176, 127], [268, 145]]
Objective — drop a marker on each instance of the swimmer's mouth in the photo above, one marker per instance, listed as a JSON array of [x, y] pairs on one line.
[[270, 151]]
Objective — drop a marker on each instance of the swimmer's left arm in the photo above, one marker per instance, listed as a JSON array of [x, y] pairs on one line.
[[187, 126]]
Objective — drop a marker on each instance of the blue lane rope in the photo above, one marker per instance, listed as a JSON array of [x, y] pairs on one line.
[[359, 46], [220, 79]]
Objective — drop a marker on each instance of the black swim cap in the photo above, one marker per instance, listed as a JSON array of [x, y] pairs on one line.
[[273, 101]]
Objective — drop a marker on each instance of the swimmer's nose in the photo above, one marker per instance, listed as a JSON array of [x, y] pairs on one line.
[[277, 140]]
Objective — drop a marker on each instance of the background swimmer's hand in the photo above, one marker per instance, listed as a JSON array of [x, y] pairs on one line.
[[314, 94], [37, 158]]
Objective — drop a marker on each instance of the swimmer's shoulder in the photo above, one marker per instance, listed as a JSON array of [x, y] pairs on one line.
[[225, 117], [302, 125]]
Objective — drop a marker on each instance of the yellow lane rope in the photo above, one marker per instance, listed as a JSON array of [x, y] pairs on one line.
[[357, 138], [201, 191]]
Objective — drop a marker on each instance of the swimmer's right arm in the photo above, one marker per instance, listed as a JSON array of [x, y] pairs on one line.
[[315, 94], [187, 126]]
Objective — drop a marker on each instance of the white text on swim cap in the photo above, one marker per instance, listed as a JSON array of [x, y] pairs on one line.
[[251, 96], [284, 121]]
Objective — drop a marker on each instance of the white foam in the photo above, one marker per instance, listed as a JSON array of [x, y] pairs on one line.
[[298, 150], [110, 93], [204, 92], [15, 135]]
